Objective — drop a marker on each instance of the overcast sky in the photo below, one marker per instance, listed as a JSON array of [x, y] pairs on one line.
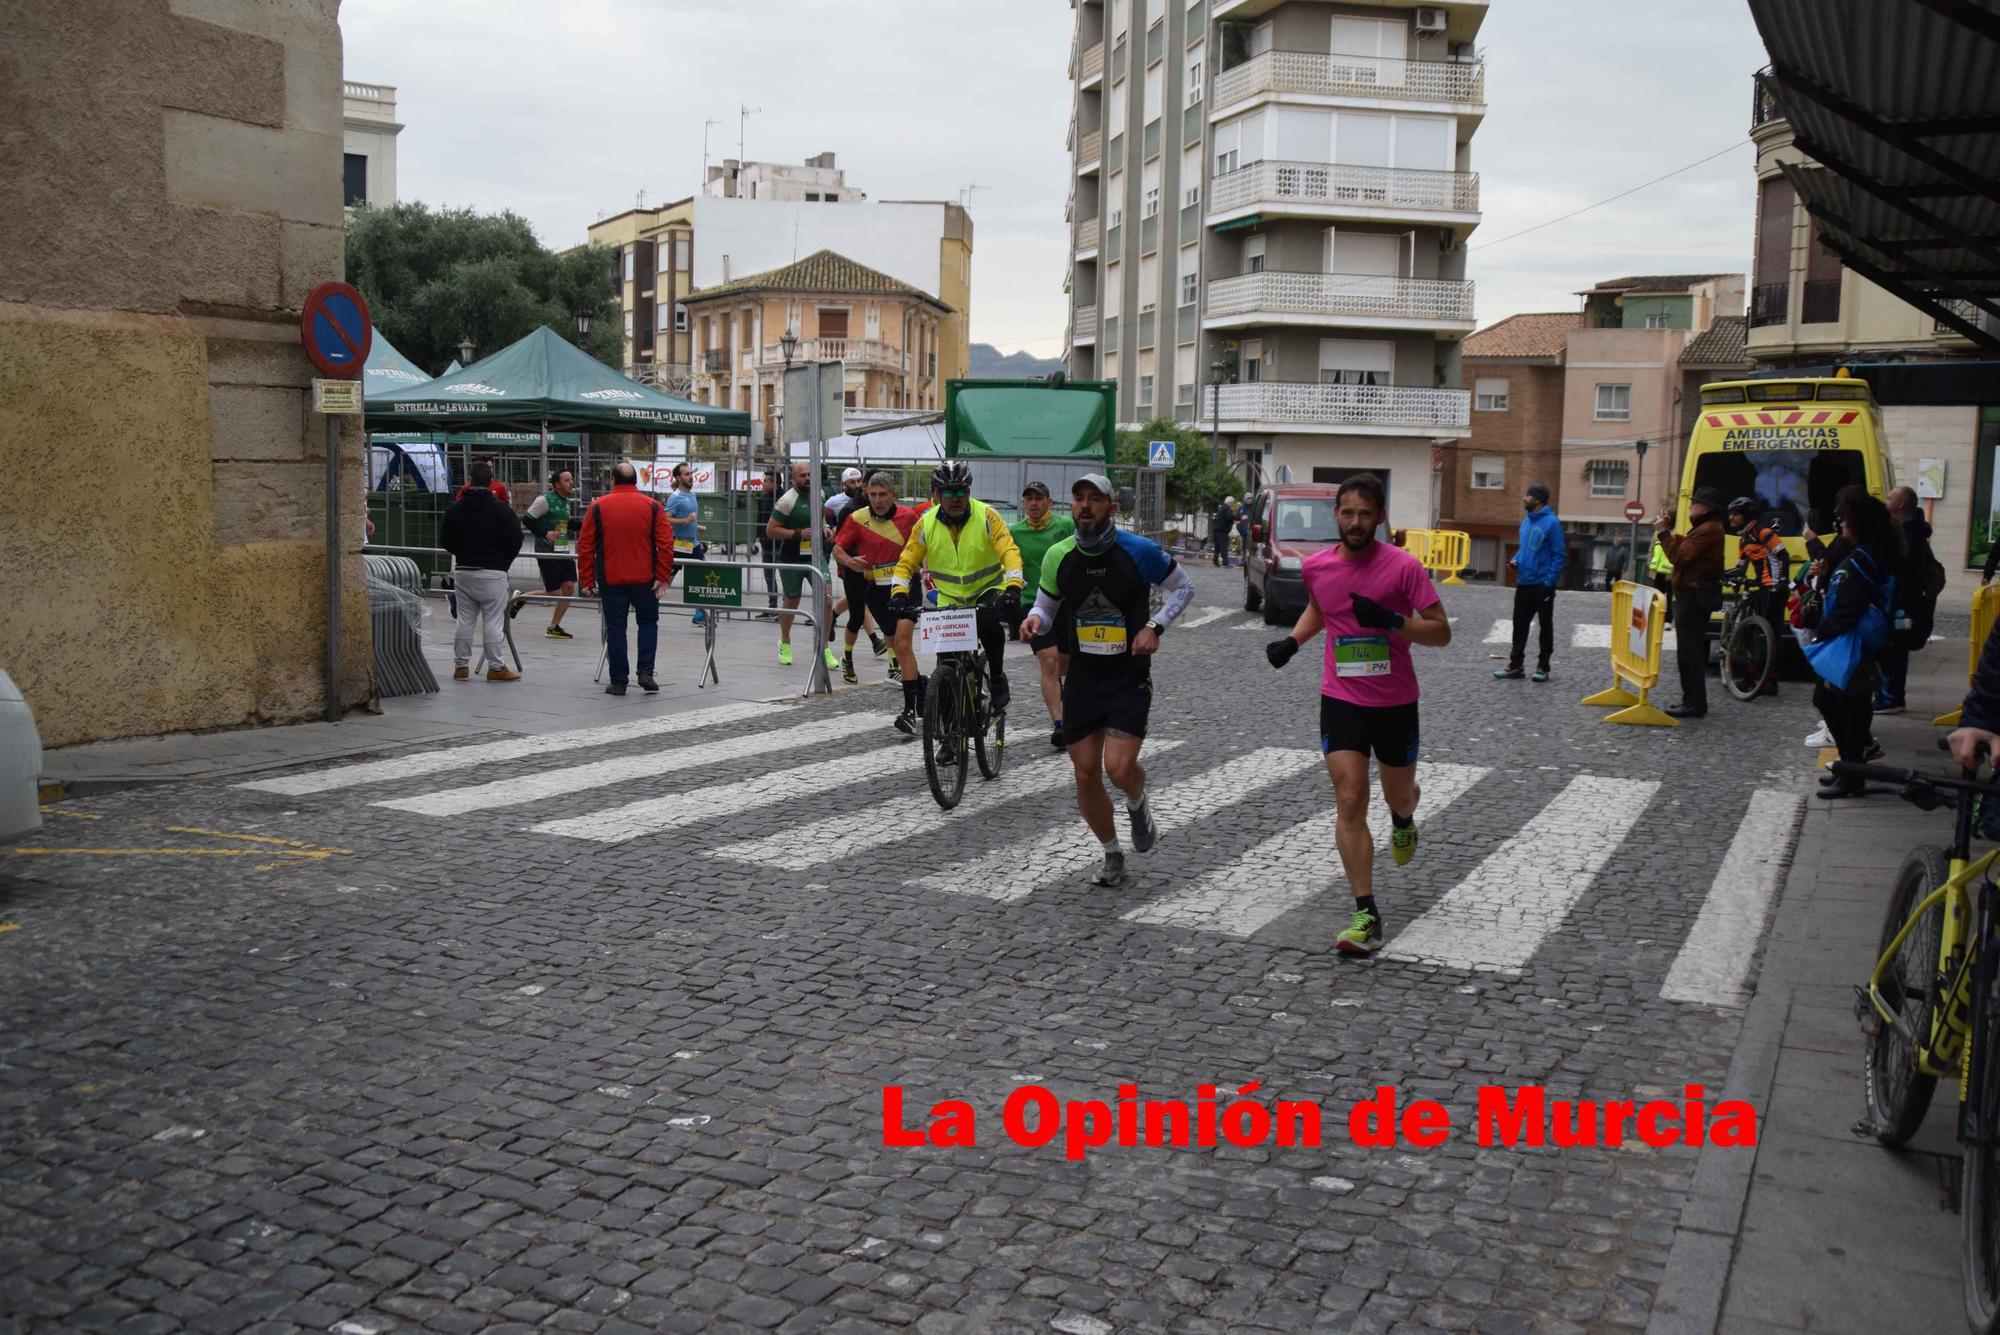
[[566, 112]]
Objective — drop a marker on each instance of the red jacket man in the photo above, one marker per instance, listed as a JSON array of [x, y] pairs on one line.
[[625, 554]]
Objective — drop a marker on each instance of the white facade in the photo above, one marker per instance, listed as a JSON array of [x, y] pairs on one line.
[[754, 235], [370, 127], [817, 181]]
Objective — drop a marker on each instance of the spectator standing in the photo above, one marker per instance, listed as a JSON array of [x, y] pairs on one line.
[[1850, 627], [483, 536], [548, 518], [1220, 521], [1916, 596], [1538, 564], [625, 549], [1243, 525], [1696, 560], [683, 512], [493, 482], [1039, 529], [1614, 564]]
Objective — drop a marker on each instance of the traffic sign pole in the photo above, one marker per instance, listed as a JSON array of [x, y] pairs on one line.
[[337, 333]]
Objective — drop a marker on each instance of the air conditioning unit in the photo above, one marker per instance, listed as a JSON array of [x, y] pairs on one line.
[[1430, 19]]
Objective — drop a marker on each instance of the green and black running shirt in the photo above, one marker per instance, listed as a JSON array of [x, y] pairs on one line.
[[1107, 599]]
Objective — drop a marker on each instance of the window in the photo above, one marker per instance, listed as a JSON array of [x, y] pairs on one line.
[[833, 324], [833, 198], [1253, 254], [1184, 394], [1149, 186], [812, 196], [1149, 282], [1191, 196], [630, 252], [1614, 403], [628, 323], [1489, 472], [1117, 217], [1189, 289], [1660, 321], [663, 313], [1154, 78], [1253, 360], [1194, 82], [1489, 394], [1152, 209], [1348, 361], [1146, 389], [683, 246], [680, 318], [663, 255], [1607, 478], [354, 179]]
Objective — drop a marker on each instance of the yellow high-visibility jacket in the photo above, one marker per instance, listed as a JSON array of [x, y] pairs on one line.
[[978, 556]]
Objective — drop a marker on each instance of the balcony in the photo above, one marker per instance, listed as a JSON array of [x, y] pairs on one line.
[[1767, 304], [715, 361], [1290, 406], [1091, 71], [867, 354], [1083, 328], [1086, 238], [1763, 106], [1317, 74], [1089, 152], [1363, 300], [1336, 190]]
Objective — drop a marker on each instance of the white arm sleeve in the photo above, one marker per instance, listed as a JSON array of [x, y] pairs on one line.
[[1180, 592], [1046, 607]]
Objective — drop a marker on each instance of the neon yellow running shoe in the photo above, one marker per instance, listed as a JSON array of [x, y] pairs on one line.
[[832, 660], [785, 654], [1403, 843], [1363, 936]]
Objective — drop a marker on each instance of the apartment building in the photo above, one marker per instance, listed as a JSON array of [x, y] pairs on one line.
[[653, 274], [1515, 437], [1269, 217], [368, 130], [886, 331]]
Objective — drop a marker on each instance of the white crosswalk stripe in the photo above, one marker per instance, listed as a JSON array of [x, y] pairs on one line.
[[676, 759], [1202, 619], [1497, 917], [1713, 966], [437, 760], [1586, 635], [911, 814], [1024, 866], [1284, 873]]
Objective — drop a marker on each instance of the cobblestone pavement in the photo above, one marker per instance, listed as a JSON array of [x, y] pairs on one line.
[[591, 1034]]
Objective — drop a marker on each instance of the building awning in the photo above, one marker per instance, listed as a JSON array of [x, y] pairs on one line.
[[1898, 104]]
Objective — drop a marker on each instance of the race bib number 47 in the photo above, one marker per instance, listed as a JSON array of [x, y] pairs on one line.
[[1361, 656]]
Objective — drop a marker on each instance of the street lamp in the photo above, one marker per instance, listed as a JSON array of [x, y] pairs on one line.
[[582, 325], [466, 348], [788, 343], [1638, 494], [1216, 370]]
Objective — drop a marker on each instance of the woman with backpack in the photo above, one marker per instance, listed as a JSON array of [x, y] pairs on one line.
[[1849, 627]]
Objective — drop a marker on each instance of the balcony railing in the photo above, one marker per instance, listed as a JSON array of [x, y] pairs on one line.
[[1336, 185], [1768, 302], [1819, 302], [1083, 329], [1361, 406], [1086, 235], [1090, 149], [1763, 105], [715, 361], [1093, 64], [1960, 307], [1367, 296], [1323, 75], [861, 352]]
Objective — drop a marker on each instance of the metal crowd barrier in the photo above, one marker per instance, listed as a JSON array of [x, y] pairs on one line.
[[718, 597], [395, 583]]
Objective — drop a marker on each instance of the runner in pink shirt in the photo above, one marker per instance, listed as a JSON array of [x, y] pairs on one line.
[[1373, 601]]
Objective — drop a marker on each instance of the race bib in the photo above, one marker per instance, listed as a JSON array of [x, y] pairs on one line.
[[952, 631], [1101, 638], [1361, 656], [683, 544]]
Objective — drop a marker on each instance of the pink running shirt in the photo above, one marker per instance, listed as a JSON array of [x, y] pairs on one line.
[[1364, 666]]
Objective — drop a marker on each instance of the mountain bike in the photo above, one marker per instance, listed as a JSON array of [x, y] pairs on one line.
[[1748, 645], [1931, 1008], [958, 722]]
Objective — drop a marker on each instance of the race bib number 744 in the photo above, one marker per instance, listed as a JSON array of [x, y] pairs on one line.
[[1361, 656]]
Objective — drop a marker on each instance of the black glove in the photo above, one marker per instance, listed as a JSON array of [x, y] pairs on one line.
[[1373, 615], [902, 604], [1010, 597], [1280, 651]]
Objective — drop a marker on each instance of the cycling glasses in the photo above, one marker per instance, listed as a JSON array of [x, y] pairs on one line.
[[954, 491]]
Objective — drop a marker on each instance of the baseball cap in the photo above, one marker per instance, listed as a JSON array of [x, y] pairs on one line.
[[1035, 489], [1097, 480], [851, 475]]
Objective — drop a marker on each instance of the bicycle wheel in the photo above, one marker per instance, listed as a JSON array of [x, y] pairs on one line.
[[944, 735], [991, 741], [1979, 1180], [1749, 656], [1898, 1093]]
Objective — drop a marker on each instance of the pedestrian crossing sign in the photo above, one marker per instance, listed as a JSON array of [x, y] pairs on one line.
[[1160, 454]]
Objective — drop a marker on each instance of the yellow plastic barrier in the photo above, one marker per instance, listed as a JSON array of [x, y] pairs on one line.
[[1442, 550], [1638, 622], [1985, 604]]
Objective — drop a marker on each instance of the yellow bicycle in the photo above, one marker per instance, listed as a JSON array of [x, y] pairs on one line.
[[1930, 1009]]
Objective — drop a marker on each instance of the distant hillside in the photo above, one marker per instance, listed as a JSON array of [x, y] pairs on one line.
[[988, 364]]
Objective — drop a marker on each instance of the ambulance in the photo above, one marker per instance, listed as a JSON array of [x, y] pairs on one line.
[[1790, 444]]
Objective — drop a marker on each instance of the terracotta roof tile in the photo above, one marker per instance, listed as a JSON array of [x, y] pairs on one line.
[[821, 271], [1542, 334], [1720, 345]]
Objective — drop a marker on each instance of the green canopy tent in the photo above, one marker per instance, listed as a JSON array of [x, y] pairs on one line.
[[387, 370], [541, 383], [1031, 419]]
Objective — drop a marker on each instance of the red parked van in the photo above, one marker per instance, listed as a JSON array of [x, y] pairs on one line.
[[1288, 523]]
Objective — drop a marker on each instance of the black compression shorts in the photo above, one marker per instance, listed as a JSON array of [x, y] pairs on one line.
[[555, 574], [1389, 732], [1091, 702]]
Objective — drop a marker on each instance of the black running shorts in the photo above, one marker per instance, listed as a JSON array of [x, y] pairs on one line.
[[1122, 701], [1389, 732], [555, 574]]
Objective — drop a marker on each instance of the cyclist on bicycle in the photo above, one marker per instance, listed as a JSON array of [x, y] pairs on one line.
[[967, 549], [1095, 592], [1766, 567]]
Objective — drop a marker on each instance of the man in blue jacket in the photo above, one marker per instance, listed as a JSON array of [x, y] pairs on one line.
[[1537, 565]]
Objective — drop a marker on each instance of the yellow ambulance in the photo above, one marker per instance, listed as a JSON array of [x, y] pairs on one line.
[[1790, 444]]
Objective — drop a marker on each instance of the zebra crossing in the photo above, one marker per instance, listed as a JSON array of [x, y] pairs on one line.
[[1584, 635], [1525, 880]]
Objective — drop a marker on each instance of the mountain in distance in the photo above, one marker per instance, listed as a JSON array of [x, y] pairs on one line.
[[987, 363]]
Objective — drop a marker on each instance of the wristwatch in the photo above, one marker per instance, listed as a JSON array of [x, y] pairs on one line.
[[1156, 628]]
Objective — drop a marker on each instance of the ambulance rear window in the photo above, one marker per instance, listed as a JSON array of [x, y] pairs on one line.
[[1781, 391], [1787, 483], [1723, 394]]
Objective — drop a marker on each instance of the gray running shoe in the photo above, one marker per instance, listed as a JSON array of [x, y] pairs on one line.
[[1144, 832], [1113, 871]]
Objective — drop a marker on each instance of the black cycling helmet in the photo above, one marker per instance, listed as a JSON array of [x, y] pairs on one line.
[[1743, 505], [951, 473]]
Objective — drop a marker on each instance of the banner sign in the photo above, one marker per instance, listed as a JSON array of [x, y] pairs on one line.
[[712, 586], [952, 631]]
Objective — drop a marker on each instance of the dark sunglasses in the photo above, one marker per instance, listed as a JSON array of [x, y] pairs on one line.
[[954, 491]]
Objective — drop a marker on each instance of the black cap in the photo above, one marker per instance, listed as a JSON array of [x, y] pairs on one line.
[[1035, 489]]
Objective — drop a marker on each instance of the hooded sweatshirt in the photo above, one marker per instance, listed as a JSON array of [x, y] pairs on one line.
[[1543, 552]]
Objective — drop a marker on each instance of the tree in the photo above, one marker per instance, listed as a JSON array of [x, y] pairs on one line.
[[432, 277], [1197, 480]]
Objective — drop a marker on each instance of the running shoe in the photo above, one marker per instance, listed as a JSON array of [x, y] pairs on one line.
[[895, 670], [785, 654], [832, 660], [847, 668], [1363, 936], [1144, 832], [558, 633], [880, 645], [1403, 843], [1002, 695], [906, 723], [515, 604], [1113, 870], [700, 618], [1539, 674], [1824, 737], [1507, 674]]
